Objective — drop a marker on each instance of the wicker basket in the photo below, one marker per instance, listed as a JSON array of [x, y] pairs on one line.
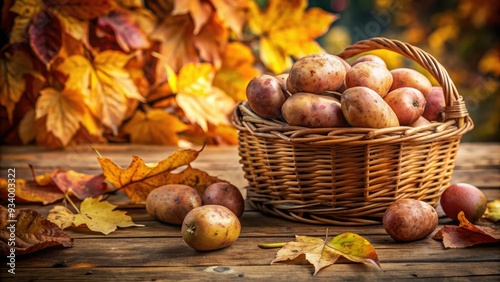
[[349, 176]]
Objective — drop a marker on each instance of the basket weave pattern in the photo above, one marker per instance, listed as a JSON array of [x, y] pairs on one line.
[[349, 176]]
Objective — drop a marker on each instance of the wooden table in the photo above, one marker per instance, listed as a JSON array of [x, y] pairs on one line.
[[157, 252]]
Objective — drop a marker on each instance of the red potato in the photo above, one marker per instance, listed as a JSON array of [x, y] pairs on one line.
[[363, 107], [434, 107], [316, 73], [370, 58], [408, 104], [421, 121], [313, 110], [463, 197], [224, 194], [371, 75], [265, 96], [210, 227], [409, 220], [405, 77], [282, 79], [343, 87]]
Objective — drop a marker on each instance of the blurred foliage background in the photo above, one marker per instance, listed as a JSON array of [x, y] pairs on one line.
[[170, 71], [463, 35]]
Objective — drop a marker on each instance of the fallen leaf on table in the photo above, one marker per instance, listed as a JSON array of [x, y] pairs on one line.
[[32, 232], [140, 178], [466, 235], [30, 191], [97, 215], [80, 184], [493, 211], [320, 253]]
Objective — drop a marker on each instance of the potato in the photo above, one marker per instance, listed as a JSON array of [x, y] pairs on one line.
[[363, 107], [408, 104], [370, 58], [224, 194], [170, 203], [371, 75], [265, 96], [434, 107], [409, 220], [282, 79], [405, 77], [347, 67], [210, 227], [316, 73], [463, 197], [313, 110]]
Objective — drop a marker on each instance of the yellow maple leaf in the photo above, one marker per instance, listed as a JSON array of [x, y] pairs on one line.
[[105, 83], [154, 127], [140, 178], [64, 110], [25, 10], [233, 13], [287, 29], [236, 71], [13, 67], [61, 216], [199, 11]]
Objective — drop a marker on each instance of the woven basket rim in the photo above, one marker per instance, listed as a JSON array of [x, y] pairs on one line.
[[456, 122]]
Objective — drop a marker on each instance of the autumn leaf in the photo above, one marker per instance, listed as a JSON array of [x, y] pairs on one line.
[[493, 211], [97, 215], [80, 184], [199, 11], [233, 13], [30, 191], [45, 36], [466, 235], [106, 85], [211, 41], [196, 96], [25, 10], [85, 9], [287, 29], [64, 110], [140, 178], [128, 34], [322, 254], [78, 29], [154, 127], [13, 68], [236, 71], [32, 232]]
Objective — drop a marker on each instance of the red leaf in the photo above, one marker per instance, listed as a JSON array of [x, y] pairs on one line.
[[32, 232], [127, 32], [80, 184], [45, 36], [84, 9]]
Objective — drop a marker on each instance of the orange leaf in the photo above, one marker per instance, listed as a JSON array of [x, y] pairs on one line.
[[13, 67], [154, 127], [29, 191], [32, 232], [85, 9], [140, 178], [287, 29], [466, 235], [199, 11], [322, 254], [233, 13]]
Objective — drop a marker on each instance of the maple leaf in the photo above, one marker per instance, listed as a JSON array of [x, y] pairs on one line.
[[32, 232], [321, 254], [286, 29], [61, 216], [154, 127], [196, 95], [85, 9], [466, 235], [25, 10], [140, 178], [199, 11], [64, 110], [211, 41], [493, 211], [13, 68], [233, 13], [128, 34], [45, 36], [236, 71], [106, 85]]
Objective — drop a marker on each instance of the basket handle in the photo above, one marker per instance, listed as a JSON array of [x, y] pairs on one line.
[[455, 105]]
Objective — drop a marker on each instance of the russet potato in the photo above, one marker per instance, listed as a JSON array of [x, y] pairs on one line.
[[170, 203]]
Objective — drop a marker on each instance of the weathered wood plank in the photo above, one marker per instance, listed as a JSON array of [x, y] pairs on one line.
[[470, 271]]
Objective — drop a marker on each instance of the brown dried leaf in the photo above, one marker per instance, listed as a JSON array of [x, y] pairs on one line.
[[80, 184], [32, 232], [30, 191], [85, 9]]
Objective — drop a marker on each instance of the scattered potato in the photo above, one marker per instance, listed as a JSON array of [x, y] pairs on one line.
[[170, 203], [409, 220], [224, 194], [463, 197]]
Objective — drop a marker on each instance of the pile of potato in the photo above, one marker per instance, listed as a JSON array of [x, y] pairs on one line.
[[323, 90]]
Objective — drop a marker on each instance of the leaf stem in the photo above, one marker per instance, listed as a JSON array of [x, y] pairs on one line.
[[271, 245], [71, 202]]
